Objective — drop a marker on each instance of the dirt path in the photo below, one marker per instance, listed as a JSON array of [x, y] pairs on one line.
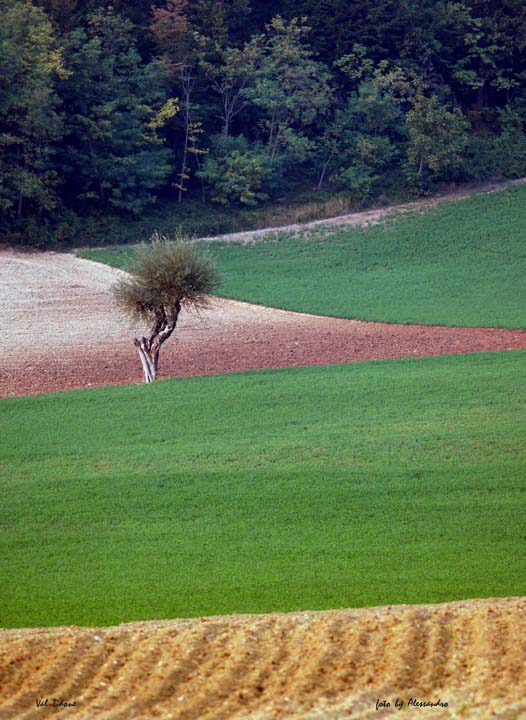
[[309, 666], [368, 217], [60, 331]]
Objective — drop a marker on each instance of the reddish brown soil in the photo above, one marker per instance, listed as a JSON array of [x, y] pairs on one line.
[[61, 332], [302, 666]]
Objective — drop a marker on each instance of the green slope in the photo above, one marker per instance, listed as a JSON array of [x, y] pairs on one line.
[[460, 263], [374, 483]]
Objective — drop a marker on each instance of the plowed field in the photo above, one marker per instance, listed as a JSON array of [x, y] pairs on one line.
[[309, 665], [60, 331]]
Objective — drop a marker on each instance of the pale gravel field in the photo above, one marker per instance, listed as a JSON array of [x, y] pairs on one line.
[[60, 330]]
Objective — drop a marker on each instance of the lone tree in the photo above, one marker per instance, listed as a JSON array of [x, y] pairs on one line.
[[166, 277]]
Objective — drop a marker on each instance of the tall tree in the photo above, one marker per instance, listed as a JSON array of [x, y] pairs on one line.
[[498, 54], [364, 139], [31, 122], [64, 14], [113, 100], [290, 89], [380, 25], [438, 39], [437, 137], [208, 18], [230, 72], [176, 39]]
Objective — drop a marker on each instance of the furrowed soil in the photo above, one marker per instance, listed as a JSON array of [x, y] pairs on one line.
[[465, 659], [61, 331]]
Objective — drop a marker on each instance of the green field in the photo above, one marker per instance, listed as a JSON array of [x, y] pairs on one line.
[[306, 488], [462, 263]]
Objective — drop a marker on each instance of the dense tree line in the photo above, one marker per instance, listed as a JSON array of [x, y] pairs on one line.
[[110, 107]]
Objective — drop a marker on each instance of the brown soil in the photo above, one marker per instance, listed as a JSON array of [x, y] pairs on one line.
[[60, 331], [309, 666]]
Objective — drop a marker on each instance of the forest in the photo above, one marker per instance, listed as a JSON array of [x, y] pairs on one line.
[[107, 110]]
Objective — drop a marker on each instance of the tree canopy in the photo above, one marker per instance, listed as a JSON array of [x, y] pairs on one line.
[[110, 109], [166, 277]]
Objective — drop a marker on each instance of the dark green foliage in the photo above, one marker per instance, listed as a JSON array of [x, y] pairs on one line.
[[437, 140], [510, 146], [112, 97], [30, 118], [368, 98], [497, 58], [502, 154], [363, 141], [481, 159], [339, 24], [290, 89], [236, 172]]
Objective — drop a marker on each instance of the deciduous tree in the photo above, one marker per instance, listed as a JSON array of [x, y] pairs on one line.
[[437, 137], [290, 88], [30, 117], [363, 139], [236, 171], [176, 40], [230, 72], [114, 100]]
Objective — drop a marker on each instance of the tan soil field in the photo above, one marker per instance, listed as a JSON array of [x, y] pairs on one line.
[[61, 331], [304, 666]]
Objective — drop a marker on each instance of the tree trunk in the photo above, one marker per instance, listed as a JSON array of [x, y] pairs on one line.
[[21, 194], [187, 87], [147, 362], [271, 136], [149, 348], [481, 97], [194, 149], [183, 164], [276, 143], [201, 178], [324, 170], [226, 116]]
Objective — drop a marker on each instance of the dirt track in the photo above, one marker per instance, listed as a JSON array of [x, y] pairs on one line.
[[369, 217], [60, 331], [310, 665]]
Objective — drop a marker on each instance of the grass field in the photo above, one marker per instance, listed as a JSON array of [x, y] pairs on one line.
[[462, 263], [346, 486]]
